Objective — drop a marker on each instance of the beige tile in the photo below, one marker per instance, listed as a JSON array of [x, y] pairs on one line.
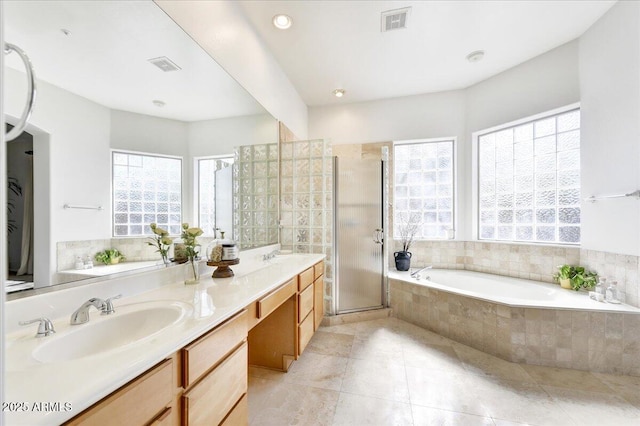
[[321, 371], [364, 410], [432, 356], [565, 378], [293, 404], [594, 408], [477, 362], [265, 373], [517, 402], [341, 328], [336, 344], [376, 378], [426, 416], [441, 389], [628, 387]]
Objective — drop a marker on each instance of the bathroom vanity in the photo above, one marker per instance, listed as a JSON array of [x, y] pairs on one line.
[[193, 370]]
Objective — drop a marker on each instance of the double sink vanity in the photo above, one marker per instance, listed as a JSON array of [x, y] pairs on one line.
[[170, 354]]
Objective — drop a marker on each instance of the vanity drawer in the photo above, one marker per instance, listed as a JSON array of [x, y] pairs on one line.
[[208, 402], [208, 350], [164, 418], [318, 270], [305, 303], [138, 402], [269, 303], [239, 415], [305, 279], [305, 333]]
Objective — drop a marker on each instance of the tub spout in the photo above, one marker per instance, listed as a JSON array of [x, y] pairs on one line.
[[416, 274]]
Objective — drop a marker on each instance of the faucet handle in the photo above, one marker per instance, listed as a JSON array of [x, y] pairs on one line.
[[45, 328], [108, 305]]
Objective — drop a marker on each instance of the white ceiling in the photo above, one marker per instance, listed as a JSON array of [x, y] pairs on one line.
[[338, 44], [105, 58]]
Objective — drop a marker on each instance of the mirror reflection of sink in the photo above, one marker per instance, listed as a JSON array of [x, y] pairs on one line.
[[128, 325]]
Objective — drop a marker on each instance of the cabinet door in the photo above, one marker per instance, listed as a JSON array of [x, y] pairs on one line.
[[209, 401], [305, 333], [239, 415], [305, 303]]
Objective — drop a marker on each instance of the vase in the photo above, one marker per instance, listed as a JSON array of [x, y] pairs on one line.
[[193, 275], [565, 283], [114, 260], [403, 260]]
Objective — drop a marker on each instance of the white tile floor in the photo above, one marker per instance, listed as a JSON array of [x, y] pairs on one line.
[[389, 372]]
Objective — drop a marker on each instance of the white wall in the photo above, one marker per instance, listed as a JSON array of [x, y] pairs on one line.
[[218, 137], [543, 83], [71, 140], [223, 31], [610, 151]]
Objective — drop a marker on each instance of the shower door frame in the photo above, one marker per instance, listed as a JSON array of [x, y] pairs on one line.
[[384, 284]]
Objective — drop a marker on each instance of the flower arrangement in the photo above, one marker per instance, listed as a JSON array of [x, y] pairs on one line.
[[161, 240], [407, 229], [189, 236]]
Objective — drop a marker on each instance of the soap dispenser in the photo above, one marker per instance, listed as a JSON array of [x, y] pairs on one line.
[[601, 287], [612, 293]]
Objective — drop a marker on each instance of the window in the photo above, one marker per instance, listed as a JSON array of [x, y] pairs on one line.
[[215, 194], [529, 181], [146, 189], [424, 187]]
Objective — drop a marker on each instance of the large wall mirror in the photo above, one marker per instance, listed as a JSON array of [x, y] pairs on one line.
[[117, 83]]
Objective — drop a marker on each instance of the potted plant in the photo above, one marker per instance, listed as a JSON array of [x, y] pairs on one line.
[[583, 279], [109, 256], [407, 229], [564, 275]]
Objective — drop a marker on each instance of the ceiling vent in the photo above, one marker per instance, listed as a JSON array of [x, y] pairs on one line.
[[164, 63], [395, 19]]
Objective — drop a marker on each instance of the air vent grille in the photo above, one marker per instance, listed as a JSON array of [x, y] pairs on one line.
[[164, 63], [395, 19]]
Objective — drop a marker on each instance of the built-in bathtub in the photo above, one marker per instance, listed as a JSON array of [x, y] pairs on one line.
[[521, 320]]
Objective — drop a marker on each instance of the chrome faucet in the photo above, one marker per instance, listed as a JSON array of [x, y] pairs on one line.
[[45, 326], [416, 274], [81, 315], [270, 255]]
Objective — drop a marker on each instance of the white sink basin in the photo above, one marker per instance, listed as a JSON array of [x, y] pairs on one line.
[[129, 324]]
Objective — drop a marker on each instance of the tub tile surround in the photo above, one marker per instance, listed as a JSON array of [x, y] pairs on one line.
[[582, 340], [533, 262]]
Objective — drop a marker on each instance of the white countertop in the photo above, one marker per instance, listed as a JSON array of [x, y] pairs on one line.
[[81, 382]]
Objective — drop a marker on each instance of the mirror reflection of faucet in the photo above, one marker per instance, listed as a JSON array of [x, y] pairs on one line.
[[417, 274]]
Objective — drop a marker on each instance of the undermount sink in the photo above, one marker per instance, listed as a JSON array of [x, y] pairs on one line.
[[128, 325]]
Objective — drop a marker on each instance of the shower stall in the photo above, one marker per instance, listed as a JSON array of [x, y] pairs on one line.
[[360, 194]]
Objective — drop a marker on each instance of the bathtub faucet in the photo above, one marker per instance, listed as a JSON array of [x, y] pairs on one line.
[[416, 274]]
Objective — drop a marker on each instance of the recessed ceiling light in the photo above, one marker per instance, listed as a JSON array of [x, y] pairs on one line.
[[158, 103], [282, 21], [475, 56], [338, 93]]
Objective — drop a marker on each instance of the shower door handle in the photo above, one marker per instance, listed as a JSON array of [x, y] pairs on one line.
[[31, 88], [378, 236]]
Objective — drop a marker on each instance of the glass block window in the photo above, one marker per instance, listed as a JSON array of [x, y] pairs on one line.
[[529, 181], [210, 217], [424, 187], [146, 189]]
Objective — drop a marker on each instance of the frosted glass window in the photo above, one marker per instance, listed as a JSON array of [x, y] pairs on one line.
[[529, 181], [146, 189], [210, 215], [424, 187]]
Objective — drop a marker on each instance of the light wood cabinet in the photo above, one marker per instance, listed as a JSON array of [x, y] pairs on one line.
[[239, 415], [210, 400], [305, 303], [139, 402], [305, 333], [305, 279]]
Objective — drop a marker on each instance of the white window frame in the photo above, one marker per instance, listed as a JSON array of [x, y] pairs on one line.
[[475, 178], [454, 189], [112, 197]]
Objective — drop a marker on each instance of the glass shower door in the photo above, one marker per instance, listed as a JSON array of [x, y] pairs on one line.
[[359, 247]]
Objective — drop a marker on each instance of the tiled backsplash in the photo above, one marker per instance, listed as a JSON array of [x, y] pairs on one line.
[[532, 262], [134, 250]]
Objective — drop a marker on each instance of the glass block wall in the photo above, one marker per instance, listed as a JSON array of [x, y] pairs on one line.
[[255, 195], [306, 207]]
